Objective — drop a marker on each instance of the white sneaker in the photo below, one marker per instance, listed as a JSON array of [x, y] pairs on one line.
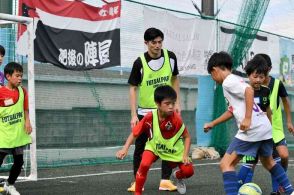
[[181, 186], [10, 189]]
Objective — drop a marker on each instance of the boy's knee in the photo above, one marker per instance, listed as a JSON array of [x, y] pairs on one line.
[[187, 170]]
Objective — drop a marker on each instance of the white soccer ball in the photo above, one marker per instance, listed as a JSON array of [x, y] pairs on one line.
[[250, 189]]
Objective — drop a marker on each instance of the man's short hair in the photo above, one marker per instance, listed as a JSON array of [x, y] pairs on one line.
[[2, 50], [222, 60], [152, 33]]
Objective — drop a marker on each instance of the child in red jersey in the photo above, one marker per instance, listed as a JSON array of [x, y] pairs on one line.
[[168, 139], [15, 124]]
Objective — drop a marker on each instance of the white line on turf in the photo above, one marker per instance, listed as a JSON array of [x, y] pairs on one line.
[[119, 172]]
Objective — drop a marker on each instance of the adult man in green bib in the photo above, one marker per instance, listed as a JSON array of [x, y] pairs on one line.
[[154, 68]]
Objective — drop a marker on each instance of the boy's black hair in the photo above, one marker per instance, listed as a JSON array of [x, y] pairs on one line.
[[222, 60], [11, 67], [2, 50], [164, 92], [258, 64], [267, 59], [152, 33]]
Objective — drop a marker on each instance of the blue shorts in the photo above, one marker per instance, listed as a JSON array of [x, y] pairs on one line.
[[259, 148], [280, 143]]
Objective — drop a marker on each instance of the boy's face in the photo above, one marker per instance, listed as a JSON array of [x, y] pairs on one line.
[[216, 76], [15, 79], [256, 80], [1, 58], [154, 46], [166, 107]]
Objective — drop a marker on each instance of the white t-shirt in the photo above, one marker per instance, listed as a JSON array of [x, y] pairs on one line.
[[234, 92]]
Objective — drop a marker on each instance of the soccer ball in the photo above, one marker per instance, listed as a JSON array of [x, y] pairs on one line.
[[250, 189]]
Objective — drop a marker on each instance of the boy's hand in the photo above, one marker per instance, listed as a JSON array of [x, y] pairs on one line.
[[121, 154], [186, 159], [245, 124], [290, 128], [28, 127], [207, 127]]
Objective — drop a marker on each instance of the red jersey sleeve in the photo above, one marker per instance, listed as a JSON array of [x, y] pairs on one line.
[[143, 126]]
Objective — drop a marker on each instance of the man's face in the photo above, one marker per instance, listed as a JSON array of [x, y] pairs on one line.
[[154, 46], [15, 79], [256, 80], [166, 107]]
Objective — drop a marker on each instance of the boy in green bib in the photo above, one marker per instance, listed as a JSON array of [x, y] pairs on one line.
[[15, 124], [168, 139]]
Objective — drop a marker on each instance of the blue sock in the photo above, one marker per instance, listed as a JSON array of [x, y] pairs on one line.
[[249, 176], [280, 175], [275, 184], [230, 183], [245, 174]]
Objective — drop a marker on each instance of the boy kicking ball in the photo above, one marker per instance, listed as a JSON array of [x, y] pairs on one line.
[[168, 139], [254, 136]]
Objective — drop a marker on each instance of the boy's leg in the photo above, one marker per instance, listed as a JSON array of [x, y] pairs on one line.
[[278, 173], [230, 179], [147, 159], [166, 170], [245, 174], [275, 169], [139, 149], [185, 171], [280, 155], [165, 182]]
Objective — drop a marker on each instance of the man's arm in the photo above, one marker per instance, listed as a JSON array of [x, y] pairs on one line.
[[133, 95], [224, 117], [176, 85], [287, 108]]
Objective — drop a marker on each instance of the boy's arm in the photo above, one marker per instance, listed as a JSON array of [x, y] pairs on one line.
[[249, 100], [287, 108], [124, 151], [269, 113], [28, 126], [187, 144], [224, 117]]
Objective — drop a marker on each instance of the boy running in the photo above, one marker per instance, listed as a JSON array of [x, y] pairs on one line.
[[254, 137], [256, 70], [168, 139]]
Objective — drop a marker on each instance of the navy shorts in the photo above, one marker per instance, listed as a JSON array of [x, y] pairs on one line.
[[244, 148]]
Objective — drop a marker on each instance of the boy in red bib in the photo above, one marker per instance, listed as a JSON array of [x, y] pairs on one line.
[[168, 139]]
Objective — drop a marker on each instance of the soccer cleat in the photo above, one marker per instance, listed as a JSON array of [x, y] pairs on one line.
[[181, 186], [167, 185], [10, 189], [132, 187]]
